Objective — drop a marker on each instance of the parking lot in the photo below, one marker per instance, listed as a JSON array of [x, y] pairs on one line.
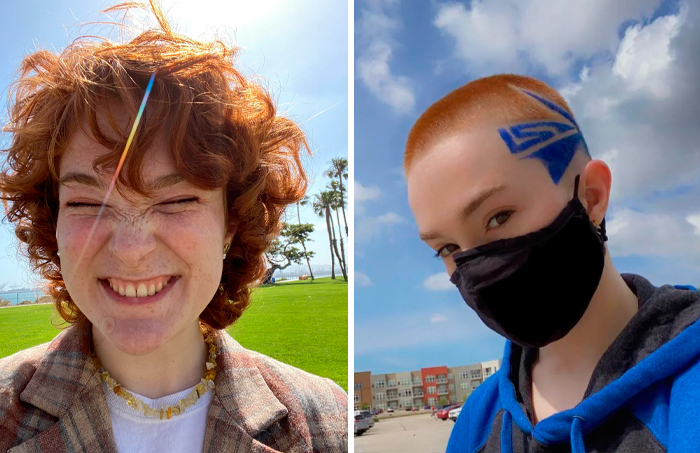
[[413, 434]]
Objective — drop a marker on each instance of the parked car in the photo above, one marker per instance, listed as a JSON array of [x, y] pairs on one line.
[[361, 425], [416, 409], [368, 416], [454, 413], [443, 414], [391, 409]]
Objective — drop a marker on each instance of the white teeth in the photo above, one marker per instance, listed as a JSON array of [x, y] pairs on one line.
[[151, 289], [121, 290], [130, 290], [142, 291], [159, 287]]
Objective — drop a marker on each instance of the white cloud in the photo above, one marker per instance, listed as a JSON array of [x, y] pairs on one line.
[[512, 35], [363, 193], [639, 233], [438, 282], [437, 318], [695, 221], [375, 27], [362, 279], [390, 218]]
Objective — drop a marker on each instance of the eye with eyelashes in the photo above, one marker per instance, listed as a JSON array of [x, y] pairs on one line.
[[80, 204], [496, 221]]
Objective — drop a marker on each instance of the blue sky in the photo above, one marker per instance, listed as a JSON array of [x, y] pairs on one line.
[[629, 75], [299, 49]]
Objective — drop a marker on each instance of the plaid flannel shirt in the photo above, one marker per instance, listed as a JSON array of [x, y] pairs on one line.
[[52, 400]]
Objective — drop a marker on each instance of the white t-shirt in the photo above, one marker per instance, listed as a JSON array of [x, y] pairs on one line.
[[136, 433]]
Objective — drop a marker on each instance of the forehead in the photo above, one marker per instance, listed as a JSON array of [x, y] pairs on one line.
[[82, 149], [460, 167]]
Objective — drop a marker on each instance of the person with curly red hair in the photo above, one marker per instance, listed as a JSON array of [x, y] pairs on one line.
[[133, 169]]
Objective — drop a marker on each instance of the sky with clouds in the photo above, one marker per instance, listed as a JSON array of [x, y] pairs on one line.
[[299, 49], [628, 69]]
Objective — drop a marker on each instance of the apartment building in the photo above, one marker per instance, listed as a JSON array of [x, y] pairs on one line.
[[424, 387], [363, 388]]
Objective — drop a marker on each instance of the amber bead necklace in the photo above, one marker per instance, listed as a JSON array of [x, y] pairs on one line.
[[165, 412]]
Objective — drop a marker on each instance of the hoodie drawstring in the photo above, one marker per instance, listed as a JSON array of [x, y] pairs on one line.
[[577, 445], [507, 433]]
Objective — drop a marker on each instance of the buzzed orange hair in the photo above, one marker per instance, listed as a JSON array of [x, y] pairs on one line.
[[493, 99]]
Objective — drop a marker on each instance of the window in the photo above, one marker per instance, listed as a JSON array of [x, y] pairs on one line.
[[442, 379], [432, 389], [357, 398], [406, 381], [358, 385], [487, 371], [391, 383], [465, 385], [379, 396], [465, 374], [432, 401], [452, 387], [430, 379], [405, 392], [451, 377], [379, 384], [475, 374]]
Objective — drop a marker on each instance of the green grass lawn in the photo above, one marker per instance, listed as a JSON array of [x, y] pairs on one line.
[[303, 324]]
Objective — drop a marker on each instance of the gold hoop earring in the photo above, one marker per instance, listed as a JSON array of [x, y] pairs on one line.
[[226, 250]]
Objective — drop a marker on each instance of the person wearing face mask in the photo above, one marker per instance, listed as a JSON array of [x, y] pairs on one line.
[[146, 180], [503, 188]]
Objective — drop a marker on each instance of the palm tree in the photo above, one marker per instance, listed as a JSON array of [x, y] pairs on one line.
[[338, 202], [322, 207], [339, 169], [303, 202], [319, 206]]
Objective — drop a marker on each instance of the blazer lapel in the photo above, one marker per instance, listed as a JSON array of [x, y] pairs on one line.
[[244, 409], [66, 386]]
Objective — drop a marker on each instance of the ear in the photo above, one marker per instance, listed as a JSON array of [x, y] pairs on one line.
[[594, 189]]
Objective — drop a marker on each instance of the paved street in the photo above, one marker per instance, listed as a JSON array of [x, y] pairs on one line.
[[414, 434]]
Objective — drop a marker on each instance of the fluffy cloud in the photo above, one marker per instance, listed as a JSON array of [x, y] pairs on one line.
[[438, 282], [515, 35], [367, 227], [375, 28], [639, 233], [362, 279]]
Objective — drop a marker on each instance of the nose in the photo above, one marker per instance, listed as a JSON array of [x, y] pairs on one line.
[[132, 241]]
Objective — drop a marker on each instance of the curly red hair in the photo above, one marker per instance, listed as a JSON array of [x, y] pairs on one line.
[[224, 133]]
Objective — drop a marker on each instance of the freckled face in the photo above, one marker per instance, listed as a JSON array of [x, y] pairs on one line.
[[177, 235], [444, 184]]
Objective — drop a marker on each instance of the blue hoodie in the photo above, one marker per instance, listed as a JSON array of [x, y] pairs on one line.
[[643, 396]]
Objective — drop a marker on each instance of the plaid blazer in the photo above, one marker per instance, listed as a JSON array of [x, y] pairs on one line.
[[52, 400]]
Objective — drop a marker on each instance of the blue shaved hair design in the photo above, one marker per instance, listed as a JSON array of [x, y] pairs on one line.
[[554, 143]]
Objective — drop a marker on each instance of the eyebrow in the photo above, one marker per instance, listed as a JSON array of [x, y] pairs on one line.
[[471, 207], [89, 180]]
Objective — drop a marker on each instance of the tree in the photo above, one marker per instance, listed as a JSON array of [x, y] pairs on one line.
[[322, 208], [442, 401], [303, 202], [336, 203], [283, 253], [339, 169]]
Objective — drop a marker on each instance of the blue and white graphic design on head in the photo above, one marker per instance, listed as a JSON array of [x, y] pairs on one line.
[[552, 142]]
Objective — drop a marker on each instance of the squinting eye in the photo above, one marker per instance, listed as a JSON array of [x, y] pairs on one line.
[[446, 251], [499, 219]]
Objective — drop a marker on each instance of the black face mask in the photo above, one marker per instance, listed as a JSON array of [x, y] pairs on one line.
[[534, 289]]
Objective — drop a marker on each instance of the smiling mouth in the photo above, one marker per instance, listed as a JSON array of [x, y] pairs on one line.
[[140, 289]]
